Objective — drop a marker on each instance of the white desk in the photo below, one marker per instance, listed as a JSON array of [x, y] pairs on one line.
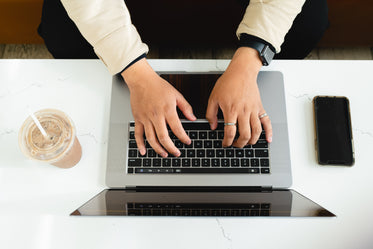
[[36, 199]]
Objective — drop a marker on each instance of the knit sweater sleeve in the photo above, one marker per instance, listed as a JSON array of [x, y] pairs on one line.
[[107, 26], [270, 20]]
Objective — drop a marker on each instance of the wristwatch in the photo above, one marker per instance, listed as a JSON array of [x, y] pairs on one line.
[[266, 53]]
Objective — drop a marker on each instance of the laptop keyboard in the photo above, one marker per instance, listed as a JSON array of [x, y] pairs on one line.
[[198, 209], [204, 155]]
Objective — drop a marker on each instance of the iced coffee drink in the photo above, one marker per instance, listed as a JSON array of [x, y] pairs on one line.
[[58, 146]]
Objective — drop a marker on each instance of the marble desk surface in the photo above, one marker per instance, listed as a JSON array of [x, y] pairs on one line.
[[36, 199]]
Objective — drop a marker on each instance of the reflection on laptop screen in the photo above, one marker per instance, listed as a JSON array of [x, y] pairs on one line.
[[137, 203]]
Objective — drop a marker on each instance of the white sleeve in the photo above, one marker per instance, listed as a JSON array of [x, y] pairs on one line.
[[107, 26], [270, 20]]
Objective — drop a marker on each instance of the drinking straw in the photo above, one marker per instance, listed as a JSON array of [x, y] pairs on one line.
[[37, 123]]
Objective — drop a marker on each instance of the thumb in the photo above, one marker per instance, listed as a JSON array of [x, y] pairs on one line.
[[186, 108]]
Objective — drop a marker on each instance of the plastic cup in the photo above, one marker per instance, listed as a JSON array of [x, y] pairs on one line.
[[60, 147]]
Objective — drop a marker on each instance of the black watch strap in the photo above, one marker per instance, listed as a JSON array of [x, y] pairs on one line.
[[266, 50]]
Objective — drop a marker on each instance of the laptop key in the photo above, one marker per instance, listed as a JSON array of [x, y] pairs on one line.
[[229, 153], [206, 162], [179, 144], [264, 162], [176, 162], [166, 162], [191, 153], [265, 170], [249, 153], [147, 162], [219, 153], [193, 135], [210, 153], [218, 144], [213, 135], [245, 162], [132, 144], [132, 153], [254, 162], [134, 162], [201, 153], [198, 144], [261, 144], [157, 162], [261, 153], [151, 153], [196, 162], [202, 134], [215, 162], [235, 162], [239, 152], [225, 162], [254, 170], [189, 145], [182, 153], [207, 144], [185, 162]]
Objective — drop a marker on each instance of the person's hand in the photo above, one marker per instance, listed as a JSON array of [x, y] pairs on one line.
[[236, 93], [154, 104]]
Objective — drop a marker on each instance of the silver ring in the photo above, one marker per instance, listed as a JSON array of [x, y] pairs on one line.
[[229, 123], [263, 115]]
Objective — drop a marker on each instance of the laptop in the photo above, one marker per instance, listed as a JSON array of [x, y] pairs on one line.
[[207, 179]]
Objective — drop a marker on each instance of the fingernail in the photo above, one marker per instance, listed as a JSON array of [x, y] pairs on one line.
[[270, 139], [164, 154], [194, 117], [142, 151], [177, 153]]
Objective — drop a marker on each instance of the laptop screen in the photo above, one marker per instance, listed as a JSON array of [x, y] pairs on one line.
[[285, 203]]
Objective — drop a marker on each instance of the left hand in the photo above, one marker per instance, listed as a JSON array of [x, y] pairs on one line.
[[236, 93]]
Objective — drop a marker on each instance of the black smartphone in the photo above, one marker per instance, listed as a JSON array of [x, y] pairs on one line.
[[334, 142]]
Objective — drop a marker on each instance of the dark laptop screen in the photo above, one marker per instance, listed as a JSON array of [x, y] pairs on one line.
[[196, 89]]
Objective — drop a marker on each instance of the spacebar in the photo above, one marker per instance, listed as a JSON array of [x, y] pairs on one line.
[[193, 170]]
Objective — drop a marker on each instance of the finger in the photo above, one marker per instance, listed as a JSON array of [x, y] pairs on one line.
[[256, 128], [244, 130], [178, 129], [229, 130], [267, 125], [185, 108], [212, 114], [139, 136], [164, 137], [153, 141]]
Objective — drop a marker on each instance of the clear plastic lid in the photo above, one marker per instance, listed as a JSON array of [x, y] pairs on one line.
[[60, 136]]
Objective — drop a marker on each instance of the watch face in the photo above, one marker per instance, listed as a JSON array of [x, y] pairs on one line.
[[267, 55]]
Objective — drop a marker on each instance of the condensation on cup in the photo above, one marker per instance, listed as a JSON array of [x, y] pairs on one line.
[[60, 146]]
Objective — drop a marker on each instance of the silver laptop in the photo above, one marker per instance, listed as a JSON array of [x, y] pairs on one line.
[[278, 172], [208, 180]]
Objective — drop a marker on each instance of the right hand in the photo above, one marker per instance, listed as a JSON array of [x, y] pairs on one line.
[[154, 104]]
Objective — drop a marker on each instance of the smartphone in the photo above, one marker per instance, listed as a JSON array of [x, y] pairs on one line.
[[334, 142]]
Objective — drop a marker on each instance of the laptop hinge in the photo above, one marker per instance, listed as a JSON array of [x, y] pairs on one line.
[[201, 189]]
